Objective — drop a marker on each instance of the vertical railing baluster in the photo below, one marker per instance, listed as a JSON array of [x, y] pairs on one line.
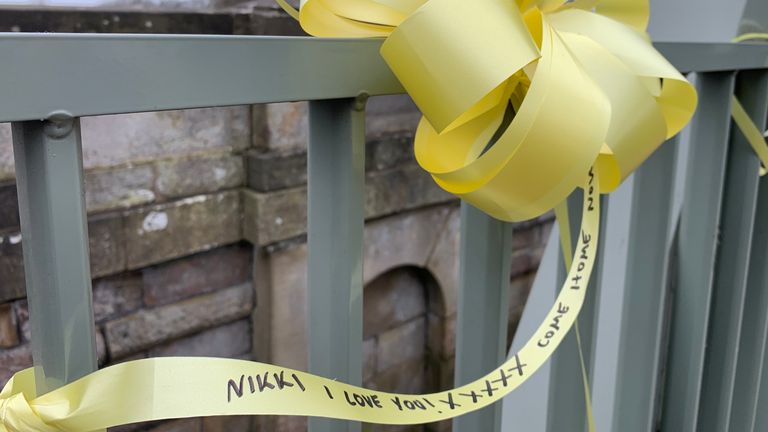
[[697, 245], [738, 213], [483, 304], [754, 330], [49, 173], [635, 270], [336, 169]]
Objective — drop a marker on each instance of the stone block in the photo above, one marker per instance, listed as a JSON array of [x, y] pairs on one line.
[[198, 174], [7, 170], [9, 207], [443, 263], [11, 267], [407, 377], [107, 244], [389, 152], [149, 327], [275, 216], [289, 308], [197, 274], [280, 215], [274, 171], [167, 231], [132, 138], [442, 336], [182, 425], [119, 187], [391, 300], [116, 296], [9, 331], [286, 127], [407, 239], [289, 424], [227, 424], [228, 341], [21, 310], [369, 357], [14, 360], [391, 115], [405, 188], [402, 344]]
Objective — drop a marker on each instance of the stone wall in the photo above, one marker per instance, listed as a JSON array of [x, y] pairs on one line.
[[197, 223]]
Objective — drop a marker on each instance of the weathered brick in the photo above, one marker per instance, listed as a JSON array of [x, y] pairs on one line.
[[119, 187], [441, 340], [229, 341], [274, 216], [21, 310], [405, 377], [9, 207], [227, 424], [280, 215], [197, 274], [391, 115], [443, 263], [288, 424], [145, 137], [391, 300], [389, 152], [199, 174], [9, 332], [116, 296], [6, 152], [148, 327], [274, 171], [402, 344], [285, 126], [14, 360], [167, 231], [107, 244], [369, 357], [182, 425], [11, 267]]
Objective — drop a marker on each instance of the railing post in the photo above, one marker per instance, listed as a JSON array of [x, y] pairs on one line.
[[731, 266], [335, 244], [696, 249], [483, 305], [49, 173]]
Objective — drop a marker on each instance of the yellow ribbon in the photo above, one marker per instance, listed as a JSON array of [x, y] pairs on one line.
[[520, 98], [161, 388], [754, 137]]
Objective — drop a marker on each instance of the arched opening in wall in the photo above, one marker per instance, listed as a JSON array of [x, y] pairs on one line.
[[403, 335]]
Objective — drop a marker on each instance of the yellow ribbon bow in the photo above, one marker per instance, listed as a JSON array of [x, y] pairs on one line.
[[521, 97]]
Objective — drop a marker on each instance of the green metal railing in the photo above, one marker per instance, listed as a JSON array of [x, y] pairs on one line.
[[706, 376]]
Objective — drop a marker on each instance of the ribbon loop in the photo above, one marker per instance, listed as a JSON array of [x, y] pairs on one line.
[[521, 98]]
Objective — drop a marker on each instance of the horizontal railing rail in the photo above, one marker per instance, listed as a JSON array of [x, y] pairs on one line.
[[96, 74]]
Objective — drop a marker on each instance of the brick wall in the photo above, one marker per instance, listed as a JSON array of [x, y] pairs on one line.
[[197, 223]]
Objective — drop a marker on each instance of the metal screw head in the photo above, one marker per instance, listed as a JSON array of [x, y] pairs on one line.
[[58, 125]]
